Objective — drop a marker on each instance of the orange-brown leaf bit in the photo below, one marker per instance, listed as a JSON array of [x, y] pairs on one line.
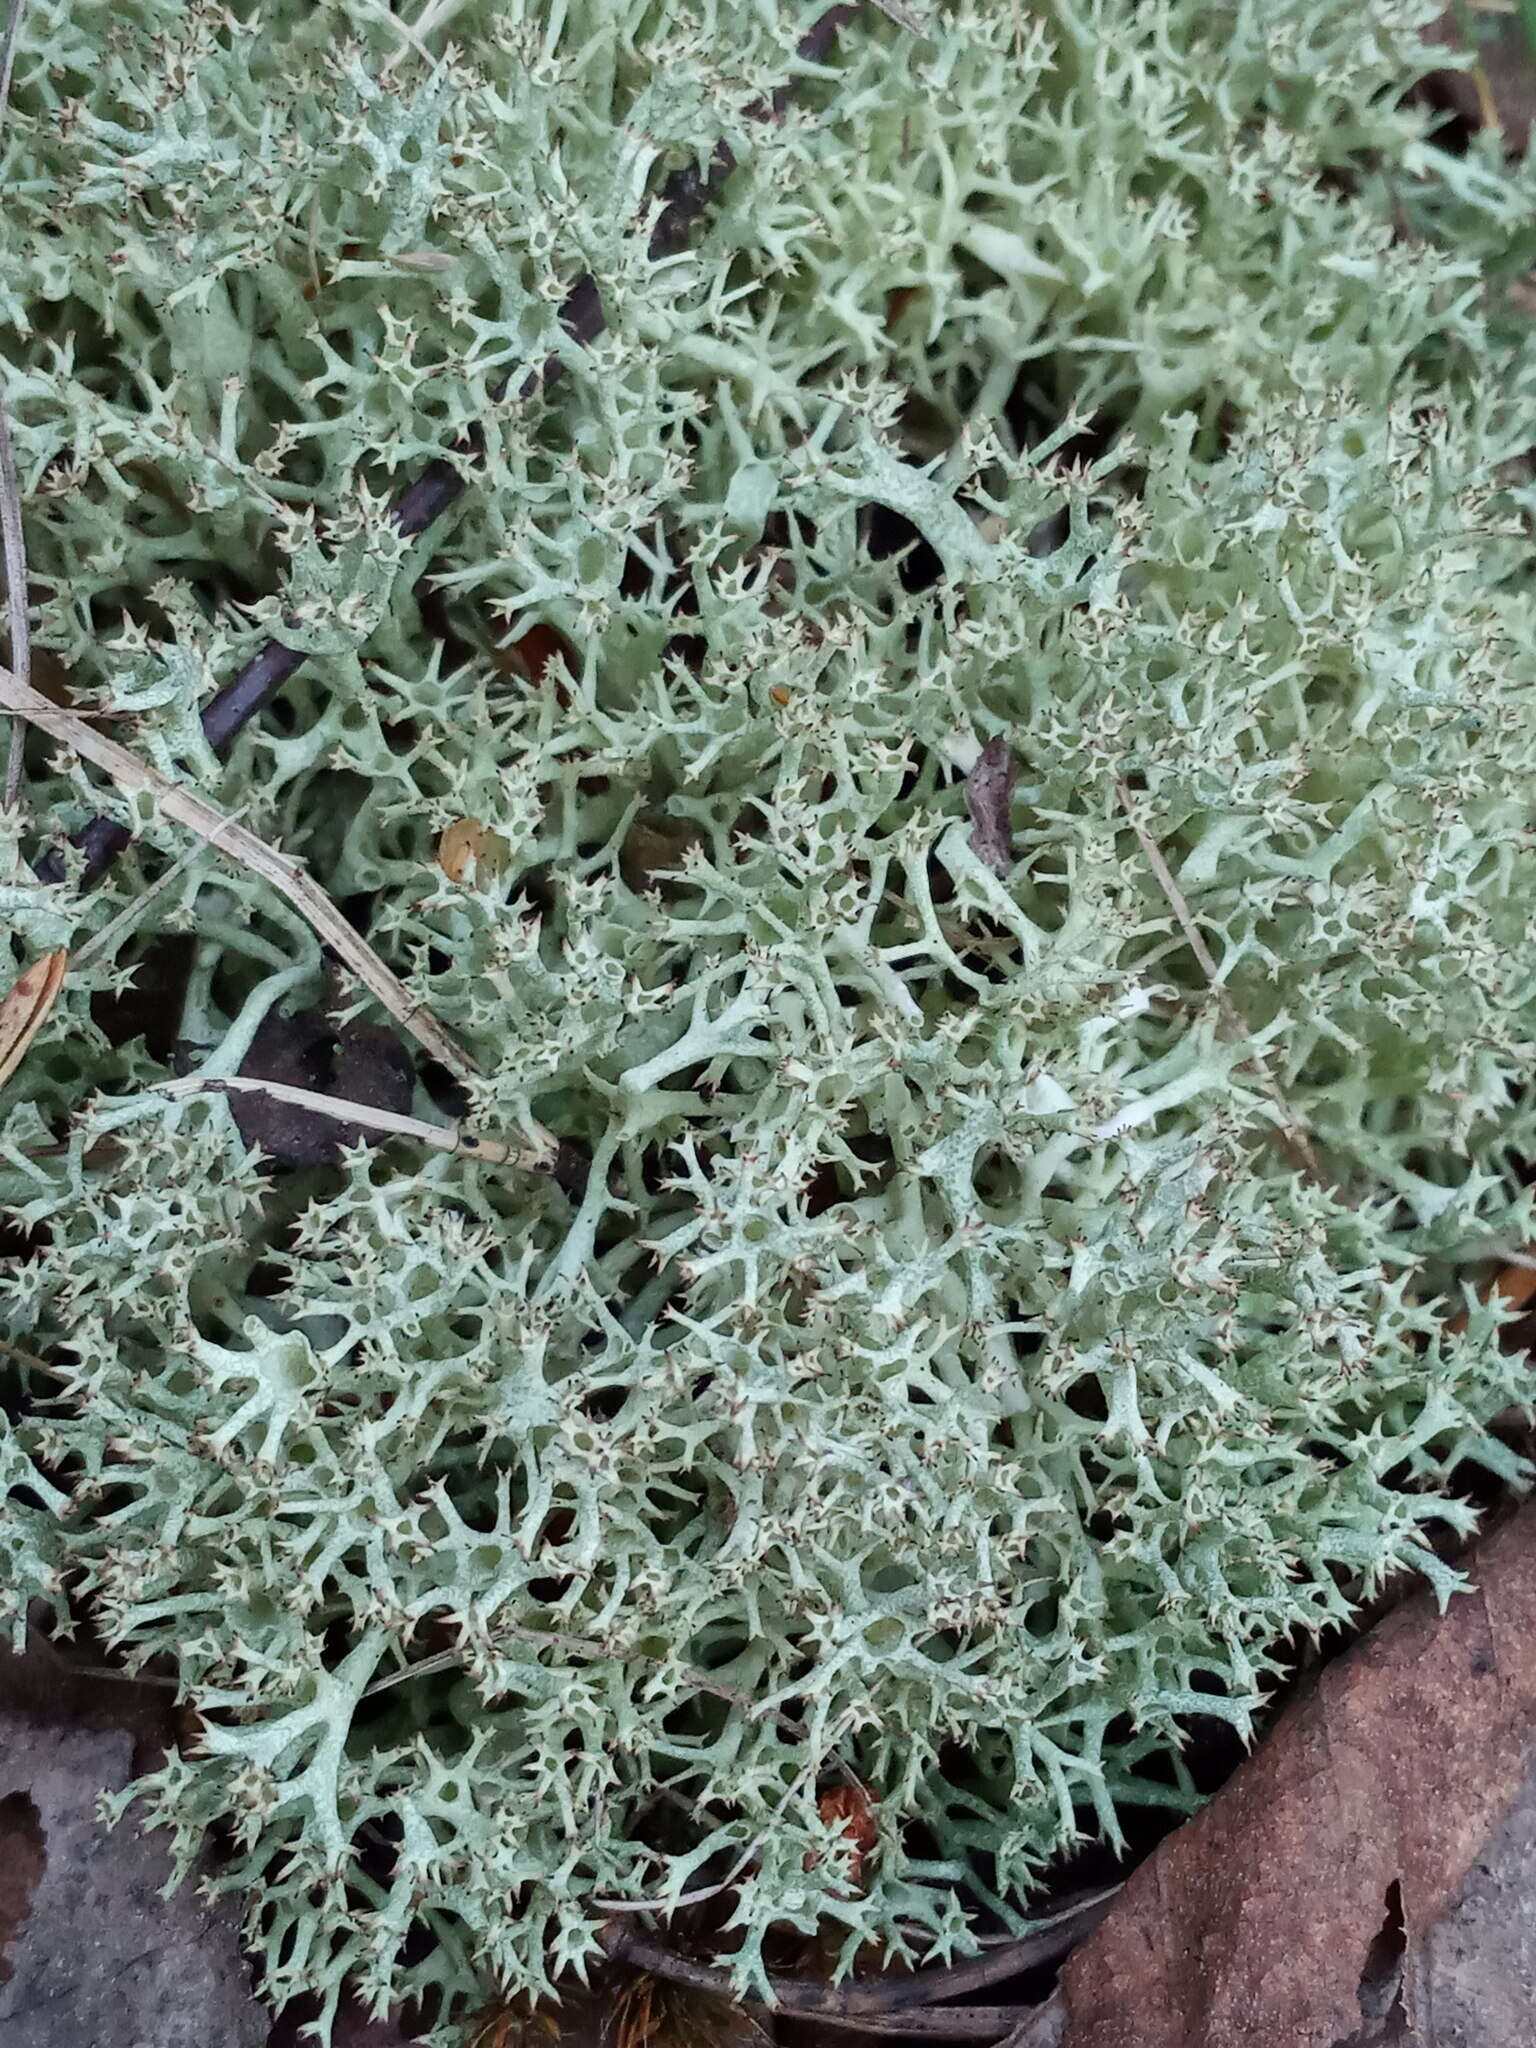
[[1380, 1784], [466, 840], [850, 1808], [536, 651], [458, 847]]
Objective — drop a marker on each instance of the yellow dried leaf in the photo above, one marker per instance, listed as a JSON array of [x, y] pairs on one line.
[[458, 847], [466, 840], [25, 1005]]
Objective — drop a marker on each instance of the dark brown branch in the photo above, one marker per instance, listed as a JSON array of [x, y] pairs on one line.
[[869, 1997], [684, 198], [944, 2023], [1041, 2026]]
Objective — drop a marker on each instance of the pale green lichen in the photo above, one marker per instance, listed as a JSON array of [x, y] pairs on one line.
[[944, 1370]]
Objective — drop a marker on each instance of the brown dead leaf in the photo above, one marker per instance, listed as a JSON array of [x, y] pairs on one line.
[[1253, 1926], [458, 846], [24, 1007]]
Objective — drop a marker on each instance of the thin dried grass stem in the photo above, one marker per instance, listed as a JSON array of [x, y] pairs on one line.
[[129, 916], [441, 1137], [30, 1359], [194, 812], [1298, 1145]]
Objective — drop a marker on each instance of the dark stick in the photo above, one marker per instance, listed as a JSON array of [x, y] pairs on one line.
[[870, 1997], [944, 2023], [683, 198]]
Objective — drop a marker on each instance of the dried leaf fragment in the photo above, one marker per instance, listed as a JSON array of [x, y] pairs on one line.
[[24, 1007], [466, 840], [848, 1808], [989, 799]]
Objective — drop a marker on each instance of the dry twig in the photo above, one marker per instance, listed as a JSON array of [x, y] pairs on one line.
[[29, 1359], [129, 915], [1042, 2025], [870, 1998]]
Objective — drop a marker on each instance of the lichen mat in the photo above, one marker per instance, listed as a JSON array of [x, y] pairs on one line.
[[929, 1326]]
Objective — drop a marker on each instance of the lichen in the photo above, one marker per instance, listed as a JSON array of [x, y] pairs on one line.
[[935, 1357]]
